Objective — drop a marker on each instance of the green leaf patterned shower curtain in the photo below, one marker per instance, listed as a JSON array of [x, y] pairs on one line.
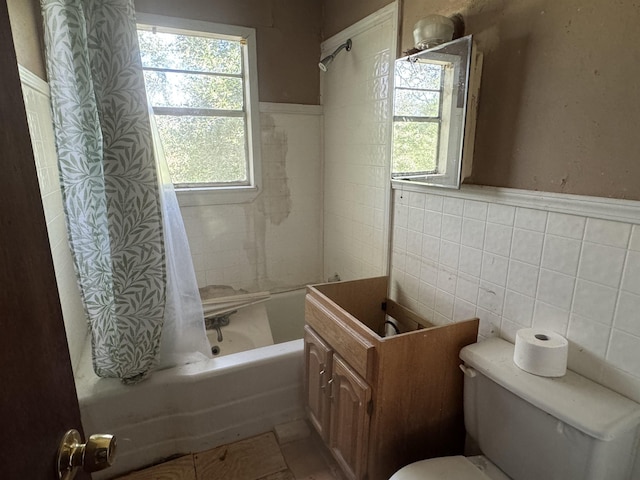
[[108, 178]]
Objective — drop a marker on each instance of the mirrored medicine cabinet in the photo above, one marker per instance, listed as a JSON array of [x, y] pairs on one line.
[[434, 109]]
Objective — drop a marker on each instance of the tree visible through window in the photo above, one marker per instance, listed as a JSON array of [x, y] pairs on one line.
[[417, 118], [196, 84]]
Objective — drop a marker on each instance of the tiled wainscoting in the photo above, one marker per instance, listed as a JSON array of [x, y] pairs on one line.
[[457, 255]]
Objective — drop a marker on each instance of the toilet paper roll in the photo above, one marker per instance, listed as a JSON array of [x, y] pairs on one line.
[[541, 352]]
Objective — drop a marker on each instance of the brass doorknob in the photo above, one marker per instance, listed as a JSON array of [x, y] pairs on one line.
[[97, 454]]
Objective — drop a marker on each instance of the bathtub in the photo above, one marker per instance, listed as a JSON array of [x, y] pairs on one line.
[[202, 405]]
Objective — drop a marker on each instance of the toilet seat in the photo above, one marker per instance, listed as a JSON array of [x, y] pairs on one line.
[[443, 468]]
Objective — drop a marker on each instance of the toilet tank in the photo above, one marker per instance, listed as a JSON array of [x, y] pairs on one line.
[[534, 428]]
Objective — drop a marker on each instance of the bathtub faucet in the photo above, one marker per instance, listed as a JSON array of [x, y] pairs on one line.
[[215, 322]]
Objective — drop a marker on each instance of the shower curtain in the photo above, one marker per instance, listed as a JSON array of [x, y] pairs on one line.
[[125, 230]]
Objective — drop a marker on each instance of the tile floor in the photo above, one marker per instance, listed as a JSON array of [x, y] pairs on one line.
[[292, 452]]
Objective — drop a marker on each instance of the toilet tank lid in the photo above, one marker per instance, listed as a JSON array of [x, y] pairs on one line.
[[573, 399]]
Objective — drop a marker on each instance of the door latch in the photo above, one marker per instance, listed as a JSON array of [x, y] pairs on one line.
[[97, 454]]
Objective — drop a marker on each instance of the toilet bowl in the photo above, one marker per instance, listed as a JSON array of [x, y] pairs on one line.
[[451, 468], [532, 428]]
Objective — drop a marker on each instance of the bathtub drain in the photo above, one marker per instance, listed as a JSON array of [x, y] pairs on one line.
[[215, 350]]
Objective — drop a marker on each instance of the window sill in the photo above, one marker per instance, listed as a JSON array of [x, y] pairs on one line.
[[194, 197]]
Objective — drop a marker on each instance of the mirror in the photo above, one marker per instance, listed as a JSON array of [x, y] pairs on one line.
[[434, 107]]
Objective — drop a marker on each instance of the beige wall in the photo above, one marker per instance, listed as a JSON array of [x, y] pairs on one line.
[[288, 33], [26, 27], [559, 97], [338, 14]]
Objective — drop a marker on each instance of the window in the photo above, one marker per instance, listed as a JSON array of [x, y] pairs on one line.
[[202, 86], [417, 118]]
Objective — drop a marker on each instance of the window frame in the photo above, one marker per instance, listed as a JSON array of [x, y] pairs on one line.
[[209, 194]]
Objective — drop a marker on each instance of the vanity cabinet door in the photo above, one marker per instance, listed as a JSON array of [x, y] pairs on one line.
[[318, 372], [349, 430]]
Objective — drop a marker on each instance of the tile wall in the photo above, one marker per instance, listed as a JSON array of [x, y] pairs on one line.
[[514, 267], [37, 104], [356, 102], [275, 242]]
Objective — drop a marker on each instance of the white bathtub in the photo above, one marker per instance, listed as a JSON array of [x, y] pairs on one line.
[[198, 406]]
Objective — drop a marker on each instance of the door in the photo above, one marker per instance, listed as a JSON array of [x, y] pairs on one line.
[[317, 360], [349, 430], [38, 402]]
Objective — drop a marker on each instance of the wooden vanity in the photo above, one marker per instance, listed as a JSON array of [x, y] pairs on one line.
[[379, 402]]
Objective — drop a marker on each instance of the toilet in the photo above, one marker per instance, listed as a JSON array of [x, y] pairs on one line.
[[535, 428]]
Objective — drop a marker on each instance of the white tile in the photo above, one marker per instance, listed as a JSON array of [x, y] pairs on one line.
[[555, 288], [491, 297], [589, 335], [400, 214], [634, 243], [414, 242], [595, 302], [398, 260], [508, 330], [467, 288], [449, 254], [623, 352], [631, 277], [444, 304], [489, 323], [472, 232], [518, 308], [399, 240], [453, 206], [434, 202], [561, 254], [604, 232], [627, 316], [602, 264], [470, 261], [502, 214], [530, 219], [522, 278], [416, 200], [451, 228], [494, 269], [526, 246], [429, 273], [571, 226], [427, 295], [413, 265], [432, 223], [497, 239], [416, 219], [447, 281], [431, 247], [549, 317], [463, 310], [411, 286], [439, 319], [474, 209]]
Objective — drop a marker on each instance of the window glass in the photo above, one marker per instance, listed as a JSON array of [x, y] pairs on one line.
[[197, 85]]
